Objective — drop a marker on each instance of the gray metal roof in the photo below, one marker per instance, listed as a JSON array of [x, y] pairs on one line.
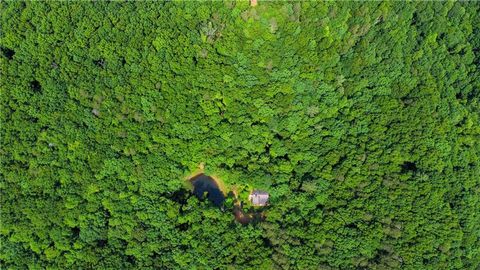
[[258, 197]]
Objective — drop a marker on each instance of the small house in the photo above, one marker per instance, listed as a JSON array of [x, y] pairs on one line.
[[258, 198]]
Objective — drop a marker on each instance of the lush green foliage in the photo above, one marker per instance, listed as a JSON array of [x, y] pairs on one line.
[[360, 119]]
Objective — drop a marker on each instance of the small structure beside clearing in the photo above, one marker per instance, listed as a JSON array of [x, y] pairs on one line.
[[213, 189], [258, 197]]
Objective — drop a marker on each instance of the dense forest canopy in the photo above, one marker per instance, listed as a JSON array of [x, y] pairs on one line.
[[361, 120]]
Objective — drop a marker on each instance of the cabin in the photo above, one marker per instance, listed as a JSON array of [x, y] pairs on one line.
[[258, 198]]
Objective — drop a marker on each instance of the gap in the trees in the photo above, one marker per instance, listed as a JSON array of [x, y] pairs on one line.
[[409, 166], [36, 86], [8, 53], [213, 189]]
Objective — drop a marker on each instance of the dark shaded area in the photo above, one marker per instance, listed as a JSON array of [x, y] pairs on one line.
[[180, 196], [131, 259], [407, 101], [352, 226], [75, 232], [106, 213], [285, 157], [203, 184], [267, 148], [8, 53], [36, 86], [338, 164], [381, 253], [304, 178], [102, 243], [473, 94], [100, 63], [408, 166], [266, 242], [414, 19], [183, 227]]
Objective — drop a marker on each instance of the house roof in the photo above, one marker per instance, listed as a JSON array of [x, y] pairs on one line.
[[258, 197]]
